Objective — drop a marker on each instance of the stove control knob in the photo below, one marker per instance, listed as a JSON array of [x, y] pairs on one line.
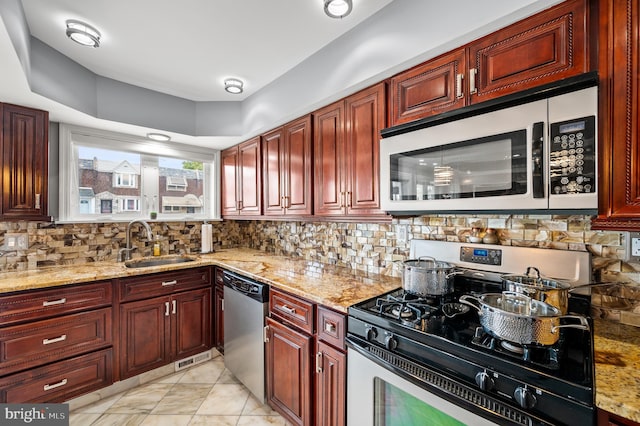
[[484, 381], [390, 341], [524, 397], [371, 333]]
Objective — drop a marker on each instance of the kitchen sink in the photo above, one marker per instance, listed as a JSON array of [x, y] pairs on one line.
[[146, 262]]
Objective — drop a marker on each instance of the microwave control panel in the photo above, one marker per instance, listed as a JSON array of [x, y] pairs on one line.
[[572, 156]]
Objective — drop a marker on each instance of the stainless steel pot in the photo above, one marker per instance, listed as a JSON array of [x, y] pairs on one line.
[[521, 319], [555, 293], [428, 277]]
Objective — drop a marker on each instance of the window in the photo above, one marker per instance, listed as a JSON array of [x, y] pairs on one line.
[[113, 176]]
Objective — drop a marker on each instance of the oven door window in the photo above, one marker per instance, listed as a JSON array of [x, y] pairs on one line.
[[484, 167], [395, 407]]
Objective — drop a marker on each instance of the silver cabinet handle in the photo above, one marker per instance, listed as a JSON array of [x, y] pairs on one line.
[[37, 206], [168, 283], [54, 340], [166, 309], [174, 306], [265, 334], [472, 81], [329, 327], [288, 310], [319, 362], [459, 78], [54, 302], [55, 385]]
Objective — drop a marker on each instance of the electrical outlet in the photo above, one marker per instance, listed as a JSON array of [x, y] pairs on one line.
[[14, 241], [632, 246], [402, 233]]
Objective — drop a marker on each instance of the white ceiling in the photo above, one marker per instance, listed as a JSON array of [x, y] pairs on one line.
[[187, 48]]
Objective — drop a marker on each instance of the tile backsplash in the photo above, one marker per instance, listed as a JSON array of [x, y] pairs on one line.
[[369, 247]]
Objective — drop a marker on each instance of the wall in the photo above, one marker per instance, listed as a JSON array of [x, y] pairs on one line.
[[373, 248]]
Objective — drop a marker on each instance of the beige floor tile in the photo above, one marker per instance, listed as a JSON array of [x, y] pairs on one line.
[[208, 372], [261, 421], [253, 407], [214, 420], [166, 420], [227, 377], [183, 399], [119, 420], [225, 399], [100, 406], [140, 400], [172, 378], [83, 419]]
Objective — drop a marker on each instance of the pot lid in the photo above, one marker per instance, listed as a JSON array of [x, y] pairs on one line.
[[534, 280]]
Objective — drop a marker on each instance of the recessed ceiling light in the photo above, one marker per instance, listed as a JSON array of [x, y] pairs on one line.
[[83, 33], [338, 8], [160, 137], [233, 85]]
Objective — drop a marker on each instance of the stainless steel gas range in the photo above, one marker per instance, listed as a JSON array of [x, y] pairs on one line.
[[410, 364]]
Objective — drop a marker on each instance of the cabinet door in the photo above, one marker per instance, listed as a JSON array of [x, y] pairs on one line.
[[328, 163], [428, 89], [619, 117], [289, 376], [229, 186], [365, 116], [273, 172], [298, 169], [191, 322], [219, 323], [544, 48], [250, 177], [25, 147], [144, 335], [331, 390]]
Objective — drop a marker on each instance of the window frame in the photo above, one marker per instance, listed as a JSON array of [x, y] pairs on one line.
[[71, 136]]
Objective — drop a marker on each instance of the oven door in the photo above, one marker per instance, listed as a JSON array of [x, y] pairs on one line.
[[494, 161], [377, 396]]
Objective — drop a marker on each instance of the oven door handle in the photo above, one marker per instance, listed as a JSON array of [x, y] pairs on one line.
[[537, 159]]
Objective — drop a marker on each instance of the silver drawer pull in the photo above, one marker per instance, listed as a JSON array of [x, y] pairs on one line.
[[329, 327], [288, 310], [55, 385], [55, 302], [57, 339], [166, 283]]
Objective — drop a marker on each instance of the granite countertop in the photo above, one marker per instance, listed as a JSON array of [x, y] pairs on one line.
[[617, 369], [617, 346]]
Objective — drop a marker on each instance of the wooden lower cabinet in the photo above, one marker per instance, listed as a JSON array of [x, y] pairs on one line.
[[60, 381], [608, 419], [331, 386], [218, 312], [159, 330], [289, 374]]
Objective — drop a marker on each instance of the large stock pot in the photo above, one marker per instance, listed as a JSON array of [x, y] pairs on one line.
[[427, 277]]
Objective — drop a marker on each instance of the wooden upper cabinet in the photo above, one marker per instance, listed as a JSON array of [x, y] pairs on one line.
[[544, 48], [429, 89], [619, 116], [24, 142], [287, 169], [242, 179], [347, 155]]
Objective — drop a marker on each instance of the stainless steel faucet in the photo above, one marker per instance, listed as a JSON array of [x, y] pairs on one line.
[[125, 253]]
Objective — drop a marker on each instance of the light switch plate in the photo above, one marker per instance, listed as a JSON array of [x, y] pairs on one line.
[[15, 241]]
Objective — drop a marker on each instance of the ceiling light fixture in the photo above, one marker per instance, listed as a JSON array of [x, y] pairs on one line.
[[233, 85], [83, 33], [160, 137], [338, 8]]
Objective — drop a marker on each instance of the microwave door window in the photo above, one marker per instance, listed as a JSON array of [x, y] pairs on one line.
[[490, 166]]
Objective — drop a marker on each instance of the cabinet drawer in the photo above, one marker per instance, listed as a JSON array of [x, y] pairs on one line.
[[292, 309], [331, 327], [145, 286], [60, 381], [38, 304], [37, 343]]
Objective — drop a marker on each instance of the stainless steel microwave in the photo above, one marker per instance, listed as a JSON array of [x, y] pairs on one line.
[[540, 155]]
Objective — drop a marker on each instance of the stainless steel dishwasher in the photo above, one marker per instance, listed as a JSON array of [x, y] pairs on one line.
[[246, 304]]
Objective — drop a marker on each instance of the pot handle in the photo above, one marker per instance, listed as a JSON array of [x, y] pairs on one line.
[[428, 257], [584, 325], [529, 268], [472, 301], [454, 273]]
